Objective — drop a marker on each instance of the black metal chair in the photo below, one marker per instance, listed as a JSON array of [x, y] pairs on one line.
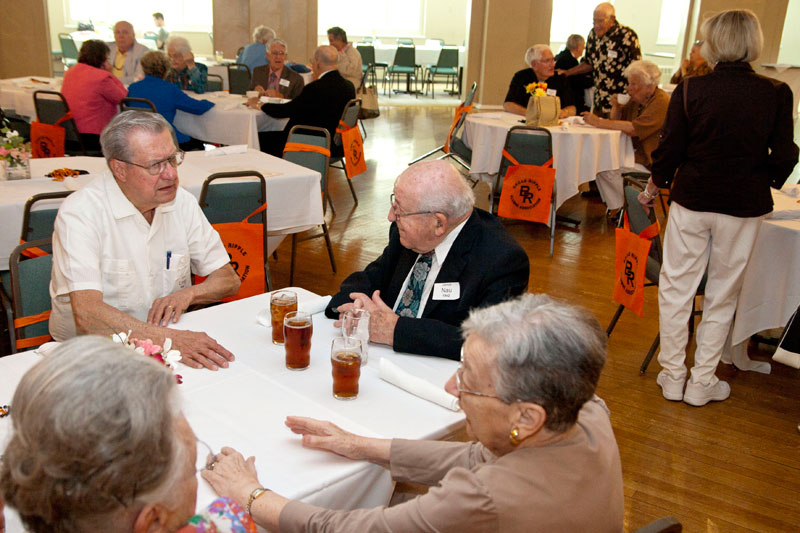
[[238, 78], [50, 107], [214, 83], [455, 147], [350, 118], [404, 64], [137, 104]]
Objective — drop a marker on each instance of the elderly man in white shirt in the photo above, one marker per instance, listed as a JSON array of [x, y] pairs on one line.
[[125, 54], [124, 247]]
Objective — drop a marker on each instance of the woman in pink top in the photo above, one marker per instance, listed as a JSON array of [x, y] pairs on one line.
[[92, 92]]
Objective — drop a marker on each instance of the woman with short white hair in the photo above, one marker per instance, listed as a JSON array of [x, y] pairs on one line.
[[184, 72], [640, 114], [727, 139]]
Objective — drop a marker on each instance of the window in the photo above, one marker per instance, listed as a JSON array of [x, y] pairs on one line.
[[673, 16], [181, 15], [571, 16], [373, 17]]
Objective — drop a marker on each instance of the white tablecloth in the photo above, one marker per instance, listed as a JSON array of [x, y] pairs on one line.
[[17, 93], [228, 122], [579, 152], [771, 287], [293, 192], [245, 406]]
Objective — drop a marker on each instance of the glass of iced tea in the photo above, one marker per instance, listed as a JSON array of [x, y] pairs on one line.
[[355, 323], [297, 331], [280, 303], [345, 367]]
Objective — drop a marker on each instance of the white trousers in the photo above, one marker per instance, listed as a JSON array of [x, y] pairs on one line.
[[610, 184], [694, 240]]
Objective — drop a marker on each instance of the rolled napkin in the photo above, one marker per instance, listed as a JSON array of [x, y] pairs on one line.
[[228, 150], [46, 348], [305, 303], [417, 386], [573, 120]]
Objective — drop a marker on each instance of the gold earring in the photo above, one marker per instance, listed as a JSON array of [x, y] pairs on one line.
[[513, 437]]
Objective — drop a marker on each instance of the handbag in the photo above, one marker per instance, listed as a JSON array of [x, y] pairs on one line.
[[369, 102], [47, 140], [631, 261], [527, 192], [543, 111]]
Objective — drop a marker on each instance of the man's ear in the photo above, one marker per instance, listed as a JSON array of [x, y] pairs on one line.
[[118, 169], [151, 519], [441, 224]]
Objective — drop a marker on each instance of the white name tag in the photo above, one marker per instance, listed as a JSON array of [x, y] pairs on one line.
[[611, 54], [284, 82], [446, 291], [551, 92]]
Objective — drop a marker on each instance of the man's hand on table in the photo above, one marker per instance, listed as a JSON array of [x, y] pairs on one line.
[[198, 350], [382, 319], [254, 103], [273, 93], [171, 306]]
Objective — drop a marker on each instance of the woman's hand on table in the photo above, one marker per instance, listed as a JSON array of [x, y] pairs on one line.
[[591, 119], [232, 476], [324, 435]]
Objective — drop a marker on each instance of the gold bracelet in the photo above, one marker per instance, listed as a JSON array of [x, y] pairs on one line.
[[257, 493]]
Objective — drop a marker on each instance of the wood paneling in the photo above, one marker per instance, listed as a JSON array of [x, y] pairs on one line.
[[24, 41]]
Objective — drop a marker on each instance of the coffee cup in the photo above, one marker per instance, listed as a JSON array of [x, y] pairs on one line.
[[623, 98]]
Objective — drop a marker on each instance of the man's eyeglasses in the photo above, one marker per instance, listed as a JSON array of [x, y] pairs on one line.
[[465, 391], [399, 215], [154, 169], [278, 53]]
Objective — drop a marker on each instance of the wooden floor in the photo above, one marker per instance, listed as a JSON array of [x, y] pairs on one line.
[[729, 466]]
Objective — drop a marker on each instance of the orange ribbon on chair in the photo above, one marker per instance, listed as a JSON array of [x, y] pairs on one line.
[[353, 147], [632, 251], [527, 192], [27, 321], [33, 251], [301, 147], [460, 110]]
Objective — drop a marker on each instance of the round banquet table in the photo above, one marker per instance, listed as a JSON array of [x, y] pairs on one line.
[[579, 151]]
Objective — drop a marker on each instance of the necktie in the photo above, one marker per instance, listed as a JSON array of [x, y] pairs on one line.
[[273, 81], [409, 303]]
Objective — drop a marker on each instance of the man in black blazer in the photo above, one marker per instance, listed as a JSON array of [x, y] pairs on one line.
[[319, 104], [473, 262]]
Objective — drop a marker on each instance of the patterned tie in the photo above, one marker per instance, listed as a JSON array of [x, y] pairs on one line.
[[409, 303], [273, 81]]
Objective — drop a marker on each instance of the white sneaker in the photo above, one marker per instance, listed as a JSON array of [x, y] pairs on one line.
[[698, 394], [672, 389]]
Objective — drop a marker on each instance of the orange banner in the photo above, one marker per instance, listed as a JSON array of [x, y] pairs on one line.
[[353, 150]]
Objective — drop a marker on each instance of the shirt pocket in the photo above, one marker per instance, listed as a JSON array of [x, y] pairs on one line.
[[177, 276], [119, 284]]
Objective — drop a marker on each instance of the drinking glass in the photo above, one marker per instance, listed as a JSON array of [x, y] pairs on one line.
[[280, 303], [297, 331], [345, 367], [355, 323]]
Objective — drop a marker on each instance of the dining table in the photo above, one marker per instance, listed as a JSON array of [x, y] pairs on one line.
[[16, 94], [580, 151], [245, 405], [293, 191]]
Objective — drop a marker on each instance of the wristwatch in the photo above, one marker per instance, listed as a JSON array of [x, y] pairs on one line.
[[257, 492]]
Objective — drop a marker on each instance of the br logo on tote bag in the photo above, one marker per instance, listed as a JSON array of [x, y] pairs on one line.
[[631, 262]]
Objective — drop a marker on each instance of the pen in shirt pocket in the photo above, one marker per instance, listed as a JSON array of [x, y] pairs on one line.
[[169, 256]]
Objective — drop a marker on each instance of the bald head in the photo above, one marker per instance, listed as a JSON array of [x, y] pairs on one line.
[[437, 186], [124, 36], [603, 18]]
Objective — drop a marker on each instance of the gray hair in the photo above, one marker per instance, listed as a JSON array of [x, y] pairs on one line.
[[647, 71], [327, 56], [440, 188], [281, 42], [733, 35], [262, 34], [534, 53], [94, 433], [574, 40], [180, 44], [548, 352], [115, 137]]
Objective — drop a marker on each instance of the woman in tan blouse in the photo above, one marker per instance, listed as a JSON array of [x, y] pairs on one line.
[[543, 456]]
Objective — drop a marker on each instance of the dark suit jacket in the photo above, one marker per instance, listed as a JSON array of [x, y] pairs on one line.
[[261, 77], [485, 260], [319, 104]]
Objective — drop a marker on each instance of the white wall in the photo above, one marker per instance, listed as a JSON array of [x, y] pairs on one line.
[[446, 19], [790, 40]]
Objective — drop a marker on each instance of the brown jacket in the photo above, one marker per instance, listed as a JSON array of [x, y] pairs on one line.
[[290, 91]]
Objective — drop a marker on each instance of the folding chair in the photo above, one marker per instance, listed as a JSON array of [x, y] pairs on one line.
[[30, 297], [238, 78], [39, 223], [231, 199], [368, 63], [349, 120], [213, 83], [447, 66], [640, 178], [528, 146], [50, 107], [140, 104], [454, 147], [302, 149], [639, 220], [69, 51], [404, 64]]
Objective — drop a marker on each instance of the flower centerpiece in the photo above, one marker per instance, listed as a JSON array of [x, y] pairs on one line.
[[536, 89], [165, 355], [15, 154]]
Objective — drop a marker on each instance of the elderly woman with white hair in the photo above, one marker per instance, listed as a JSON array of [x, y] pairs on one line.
[[255, 54], [184, 72], [640, 114], [542, 69], [99, 443], [727, 139], [543, 458]]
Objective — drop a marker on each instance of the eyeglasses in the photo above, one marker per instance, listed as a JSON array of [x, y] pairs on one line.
[[465, 391], [278, 53], [154, 169], [399, 215]]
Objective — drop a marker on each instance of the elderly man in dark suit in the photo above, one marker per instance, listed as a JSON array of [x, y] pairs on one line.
[[444, 258], [319, 104], [275, 79]]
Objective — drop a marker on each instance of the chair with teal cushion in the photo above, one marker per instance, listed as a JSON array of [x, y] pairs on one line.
[[39, 223], [314, 136], [404, 65], [30, 296], [350, 118], [447, 66], [69, 51]]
